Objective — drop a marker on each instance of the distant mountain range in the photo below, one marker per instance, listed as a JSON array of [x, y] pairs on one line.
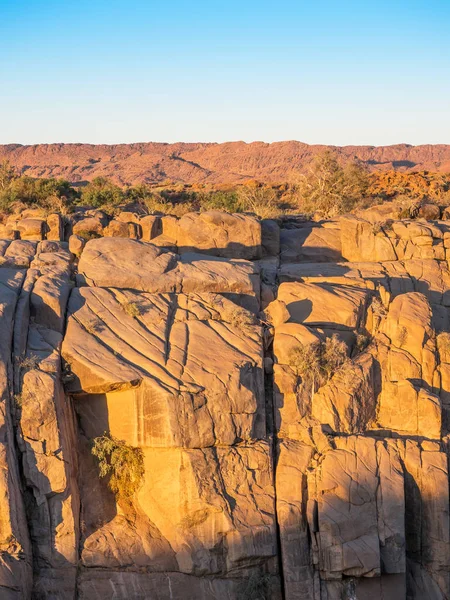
[[230, 162]]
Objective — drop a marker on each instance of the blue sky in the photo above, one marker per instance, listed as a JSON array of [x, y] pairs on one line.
[[172, 70]]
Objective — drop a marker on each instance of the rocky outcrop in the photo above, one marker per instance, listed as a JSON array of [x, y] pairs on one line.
[[287, 389]]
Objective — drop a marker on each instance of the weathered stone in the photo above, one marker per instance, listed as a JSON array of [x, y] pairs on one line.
[[31, 229], [311, 242], [76, 244], [88, 227], [219, 234], [55, 227]]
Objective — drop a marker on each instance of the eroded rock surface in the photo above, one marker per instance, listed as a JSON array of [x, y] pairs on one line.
[[289, 390]]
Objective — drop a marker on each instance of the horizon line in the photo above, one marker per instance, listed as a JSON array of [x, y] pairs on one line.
[[254, 142]]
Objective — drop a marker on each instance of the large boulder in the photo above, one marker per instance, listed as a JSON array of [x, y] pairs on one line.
[[220, 234]]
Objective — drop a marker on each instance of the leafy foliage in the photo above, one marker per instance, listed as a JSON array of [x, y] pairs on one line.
[[328, 189], [122, 463], [100, 192], [50, 194]]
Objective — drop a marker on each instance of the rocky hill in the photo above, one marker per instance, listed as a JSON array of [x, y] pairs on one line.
[[228, 163], [272, 398]]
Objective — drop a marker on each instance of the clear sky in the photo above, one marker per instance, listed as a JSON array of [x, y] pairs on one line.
[[319, 71]]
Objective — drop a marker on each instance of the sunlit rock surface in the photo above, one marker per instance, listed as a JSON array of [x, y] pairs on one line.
[[186, 338]]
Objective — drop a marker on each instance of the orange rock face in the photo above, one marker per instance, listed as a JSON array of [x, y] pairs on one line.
[[232, 162], [288, 391]]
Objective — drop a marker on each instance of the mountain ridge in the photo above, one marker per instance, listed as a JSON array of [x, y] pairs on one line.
[[208, 162]]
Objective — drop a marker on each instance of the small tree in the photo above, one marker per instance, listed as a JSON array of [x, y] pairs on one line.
[[330, 189], [122, 463]]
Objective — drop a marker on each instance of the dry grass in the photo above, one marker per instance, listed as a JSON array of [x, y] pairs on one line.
[[378, 309], [317, 363], [240, 318], [18, 400], [256, 587], [28, 362], [362, 341]]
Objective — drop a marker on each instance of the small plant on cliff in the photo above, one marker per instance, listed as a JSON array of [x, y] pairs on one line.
[[18, 400], [121, 463], [361, 342], [131, 308], [240, 318], [305, 361], [334, 356], [318, 362], [256, 587], [28, 362], [378, 308]]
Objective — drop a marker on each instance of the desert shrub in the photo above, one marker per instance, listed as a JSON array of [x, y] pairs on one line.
[[407, 206], [330, 189], [260, 200], [334, 356], [50, 194], [305, 361], [101, 192], [121, 463], [227, 200], [362, 341], [7, 175], [240, 318], [255, 587], [318, 362], [131, 308], [18, 400], [378, 308], [28, 362]]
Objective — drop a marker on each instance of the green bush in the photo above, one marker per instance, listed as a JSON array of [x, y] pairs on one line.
[[101, 192], [50, 194], [122, 463]]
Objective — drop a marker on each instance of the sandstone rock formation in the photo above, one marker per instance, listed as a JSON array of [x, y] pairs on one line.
[[288, 389]]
